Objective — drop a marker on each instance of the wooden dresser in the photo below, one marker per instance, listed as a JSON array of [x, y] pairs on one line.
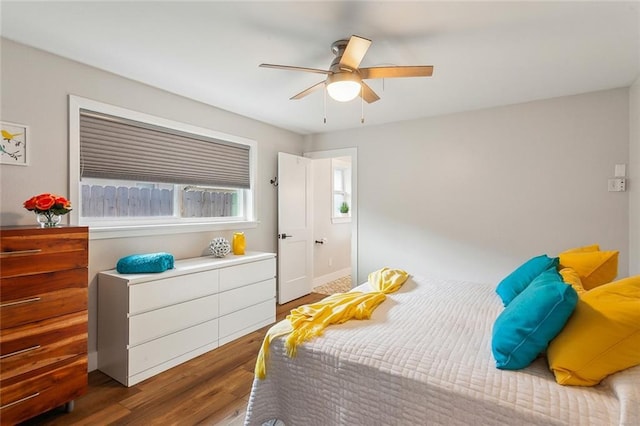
[[43, 319]]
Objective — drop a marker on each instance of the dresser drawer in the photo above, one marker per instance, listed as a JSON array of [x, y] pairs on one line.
[[46, 250], [245, 318], [168, 291], [252, 294], [247, 273], [31, 298], [155, 352], [160, 322], [43, 391], [34, 346]]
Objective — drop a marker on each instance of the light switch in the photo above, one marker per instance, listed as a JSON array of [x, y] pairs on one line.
[[620, 170]]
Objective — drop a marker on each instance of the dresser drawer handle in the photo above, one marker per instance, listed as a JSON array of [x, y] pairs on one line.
[[20, 400], [20, 302], [21, 351], [13, 253]]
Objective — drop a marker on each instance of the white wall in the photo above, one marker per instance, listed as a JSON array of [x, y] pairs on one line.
[[634, 179], [474, 194], [333, 256], [35, 86]]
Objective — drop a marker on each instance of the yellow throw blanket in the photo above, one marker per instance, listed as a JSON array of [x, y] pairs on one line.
[[308, 321]]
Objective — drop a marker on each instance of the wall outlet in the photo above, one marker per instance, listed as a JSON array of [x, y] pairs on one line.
[[330, 261], [617, 185]]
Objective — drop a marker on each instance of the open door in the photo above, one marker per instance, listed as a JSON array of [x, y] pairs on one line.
[[353, 154], [295, 245]]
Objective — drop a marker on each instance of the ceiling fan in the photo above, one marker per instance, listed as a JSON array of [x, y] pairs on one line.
[[344, 80]]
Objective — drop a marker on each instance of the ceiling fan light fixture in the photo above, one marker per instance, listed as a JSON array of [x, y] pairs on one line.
[[346, 79], [343, 87]]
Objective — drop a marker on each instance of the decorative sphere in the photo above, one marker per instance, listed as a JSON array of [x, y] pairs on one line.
[[219, 247]]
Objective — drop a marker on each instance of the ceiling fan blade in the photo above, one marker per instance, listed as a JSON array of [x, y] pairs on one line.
[[291, 68], [395, 72], [354, 52], [368, 94], [305, 92]]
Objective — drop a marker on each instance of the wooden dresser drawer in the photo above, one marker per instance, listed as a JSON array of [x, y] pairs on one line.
[[43, 391], [30, 298], [42, 250], [248, 273], [160, 322], [39, 345], [165, 292]]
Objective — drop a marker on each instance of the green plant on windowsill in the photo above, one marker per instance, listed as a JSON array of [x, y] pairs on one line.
[[344, 207]]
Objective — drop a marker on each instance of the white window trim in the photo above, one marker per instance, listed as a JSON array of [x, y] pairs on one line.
[[336, 164], [344, 219], [138, 230]]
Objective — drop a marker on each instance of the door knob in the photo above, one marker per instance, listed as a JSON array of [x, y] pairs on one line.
[[284, 236]]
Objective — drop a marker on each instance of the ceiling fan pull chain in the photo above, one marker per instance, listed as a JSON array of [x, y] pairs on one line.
[[361, 104], [324, 97]]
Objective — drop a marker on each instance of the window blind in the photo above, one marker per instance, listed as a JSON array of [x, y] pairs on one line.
[[118, 148]]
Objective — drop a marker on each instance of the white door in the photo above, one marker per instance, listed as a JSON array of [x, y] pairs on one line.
[[295, 245]]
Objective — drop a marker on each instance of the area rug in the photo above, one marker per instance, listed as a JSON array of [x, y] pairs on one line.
[[341, 285]]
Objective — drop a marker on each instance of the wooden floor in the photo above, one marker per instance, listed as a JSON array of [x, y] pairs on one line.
[[212, 389]]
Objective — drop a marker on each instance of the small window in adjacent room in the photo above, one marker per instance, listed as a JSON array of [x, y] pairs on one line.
[[341, 177], [134, 170]]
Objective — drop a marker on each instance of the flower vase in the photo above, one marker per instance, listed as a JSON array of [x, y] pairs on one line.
[[48, 219]]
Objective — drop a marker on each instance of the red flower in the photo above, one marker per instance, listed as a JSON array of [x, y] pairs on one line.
[[45, 201], [30, 204], [48, 203], [62, 203]]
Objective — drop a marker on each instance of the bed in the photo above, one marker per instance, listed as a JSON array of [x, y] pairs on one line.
[[424, 357]]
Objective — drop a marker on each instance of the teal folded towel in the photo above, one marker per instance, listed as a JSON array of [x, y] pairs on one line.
[[144, 263]]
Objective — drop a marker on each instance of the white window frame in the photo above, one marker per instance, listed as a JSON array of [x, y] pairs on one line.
[[338, 164], [101, 229]]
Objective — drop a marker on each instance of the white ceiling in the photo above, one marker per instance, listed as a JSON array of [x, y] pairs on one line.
[[484, 53]]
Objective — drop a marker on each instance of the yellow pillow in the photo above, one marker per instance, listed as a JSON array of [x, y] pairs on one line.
[[601, 337], [571, 277], [594, 267], [585, 249]]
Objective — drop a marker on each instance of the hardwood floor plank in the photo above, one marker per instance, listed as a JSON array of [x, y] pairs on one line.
[[212, 389], [232, 414], [107, 416], [171, 386]]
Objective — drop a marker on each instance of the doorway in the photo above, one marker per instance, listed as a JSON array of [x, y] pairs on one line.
[[335, 217]]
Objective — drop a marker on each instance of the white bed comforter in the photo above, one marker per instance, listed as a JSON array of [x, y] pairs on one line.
[[424, 358]]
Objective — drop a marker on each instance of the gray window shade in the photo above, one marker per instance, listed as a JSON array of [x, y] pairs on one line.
[[118, 148]]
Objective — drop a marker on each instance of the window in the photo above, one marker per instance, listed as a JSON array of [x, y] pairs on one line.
[[341, 177], [133, 170], [108, 199]]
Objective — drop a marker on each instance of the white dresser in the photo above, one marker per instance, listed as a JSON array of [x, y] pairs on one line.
[[148, 323]]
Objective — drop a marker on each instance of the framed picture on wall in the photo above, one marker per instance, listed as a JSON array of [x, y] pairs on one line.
[[13, 146]]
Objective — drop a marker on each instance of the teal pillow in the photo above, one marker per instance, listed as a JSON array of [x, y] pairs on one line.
[[519, 279], [525, 327]]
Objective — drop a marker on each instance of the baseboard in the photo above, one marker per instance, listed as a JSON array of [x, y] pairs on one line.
[[318, 281], [92, 360]]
